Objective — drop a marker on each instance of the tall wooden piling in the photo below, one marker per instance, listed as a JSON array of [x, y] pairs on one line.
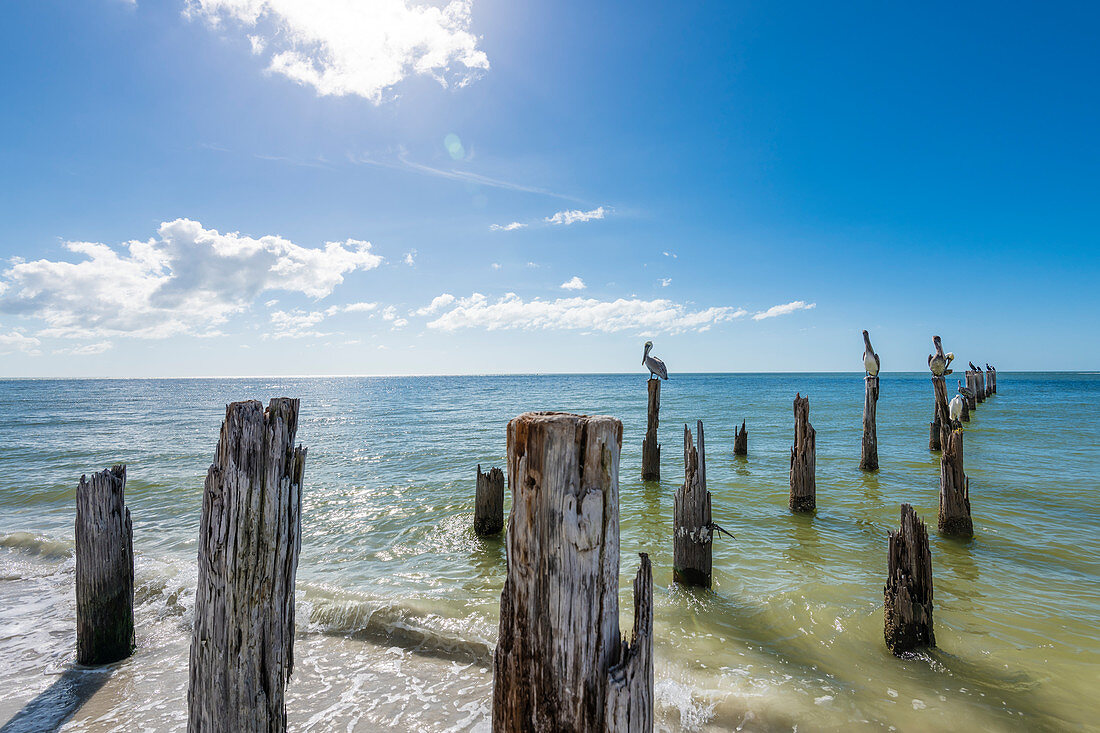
[[691, 519], [104, 569], [989, 378], [868, 459], [651, 449], [907, 611], [966, 407], [740, 440], [941, 418], [560, 663], [489, 502], [979, 379], [954, 518], [803, 459], [242, 646], [994, 370], [972, 385]]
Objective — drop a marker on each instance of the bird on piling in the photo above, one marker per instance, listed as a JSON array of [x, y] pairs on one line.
[[871, 361], [955, 407], [965, 391], [940, 362], [974, 368], [656, 366], [989, 368]]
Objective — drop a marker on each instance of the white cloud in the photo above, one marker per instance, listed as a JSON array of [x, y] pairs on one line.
[[496, 265], [186, 280], [360, 47], [296, 323], [389, 313], [574, 284], [87, 349], [670, 254], [438, 303], [16, 341], [665, 281], [359, 307], [410, 258], [587, 314], [782, 310], [571, 217], [507, 227]]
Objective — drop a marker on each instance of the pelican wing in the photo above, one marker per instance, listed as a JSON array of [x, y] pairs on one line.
[[657, 367]]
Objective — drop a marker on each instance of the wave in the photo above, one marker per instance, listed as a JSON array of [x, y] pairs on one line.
[[44, 547]]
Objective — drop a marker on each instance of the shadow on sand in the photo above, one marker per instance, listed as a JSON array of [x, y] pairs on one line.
[[58, 702]]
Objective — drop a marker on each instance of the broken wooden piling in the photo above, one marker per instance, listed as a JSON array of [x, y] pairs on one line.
[[691, 520], [868, 459], [489, 502], [907, 610], [803, 459], [740, 440], [954, 517], [104, 569], [651, 449], [560, 663], [941, 417], [242, 645]]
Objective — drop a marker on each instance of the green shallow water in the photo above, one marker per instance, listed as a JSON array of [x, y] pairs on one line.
[[790, 635]]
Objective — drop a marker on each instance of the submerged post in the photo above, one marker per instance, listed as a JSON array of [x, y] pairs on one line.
[[740, 440], [907, 611], [242, 646], [954, 516], [104, 569], [560, 663], [868, 460], [691, 521], [651, 449], [489, 502], [803, 459]]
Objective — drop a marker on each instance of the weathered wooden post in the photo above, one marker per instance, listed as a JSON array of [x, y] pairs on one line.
[[803, 459], [740, 440], [954, 516], [907, 612], [994, 369], [242, 646], [989, 381], [651, 449], [941, 422], [560, 663], [979, 379], [966, 407], [868, 460], [691, 521], [972, 385], [489, 502], [104, 569]]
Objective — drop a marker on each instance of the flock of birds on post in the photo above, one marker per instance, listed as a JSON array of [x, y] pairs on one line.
[[939, 364]]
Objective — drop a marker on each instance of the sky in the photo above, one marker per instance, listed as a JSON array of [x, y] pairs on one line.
[[298, 187]]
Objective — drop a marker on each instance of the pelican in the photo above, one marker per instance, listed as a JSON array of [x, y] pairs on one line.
[[656, 366], [939, 363], [989, 368], [974, 368], [965, 391], [955, 407], [871, 361]]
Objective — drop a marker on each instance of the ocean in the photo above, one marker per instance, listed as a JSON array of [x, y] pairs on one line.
[[398, 599]]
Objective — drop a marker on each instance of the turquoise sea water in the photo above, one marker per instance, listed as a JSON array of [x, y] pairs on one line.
[[398, 599]]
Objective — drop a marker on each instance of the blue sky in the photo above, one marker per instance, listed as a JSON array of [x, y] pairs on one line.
[[189, 188]]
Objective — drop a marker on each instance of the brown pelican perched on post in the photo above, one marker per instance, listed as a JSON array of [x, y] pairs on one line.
[[965, 391], [974, 368], [871, 363], [656, 366], [940, 362]]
